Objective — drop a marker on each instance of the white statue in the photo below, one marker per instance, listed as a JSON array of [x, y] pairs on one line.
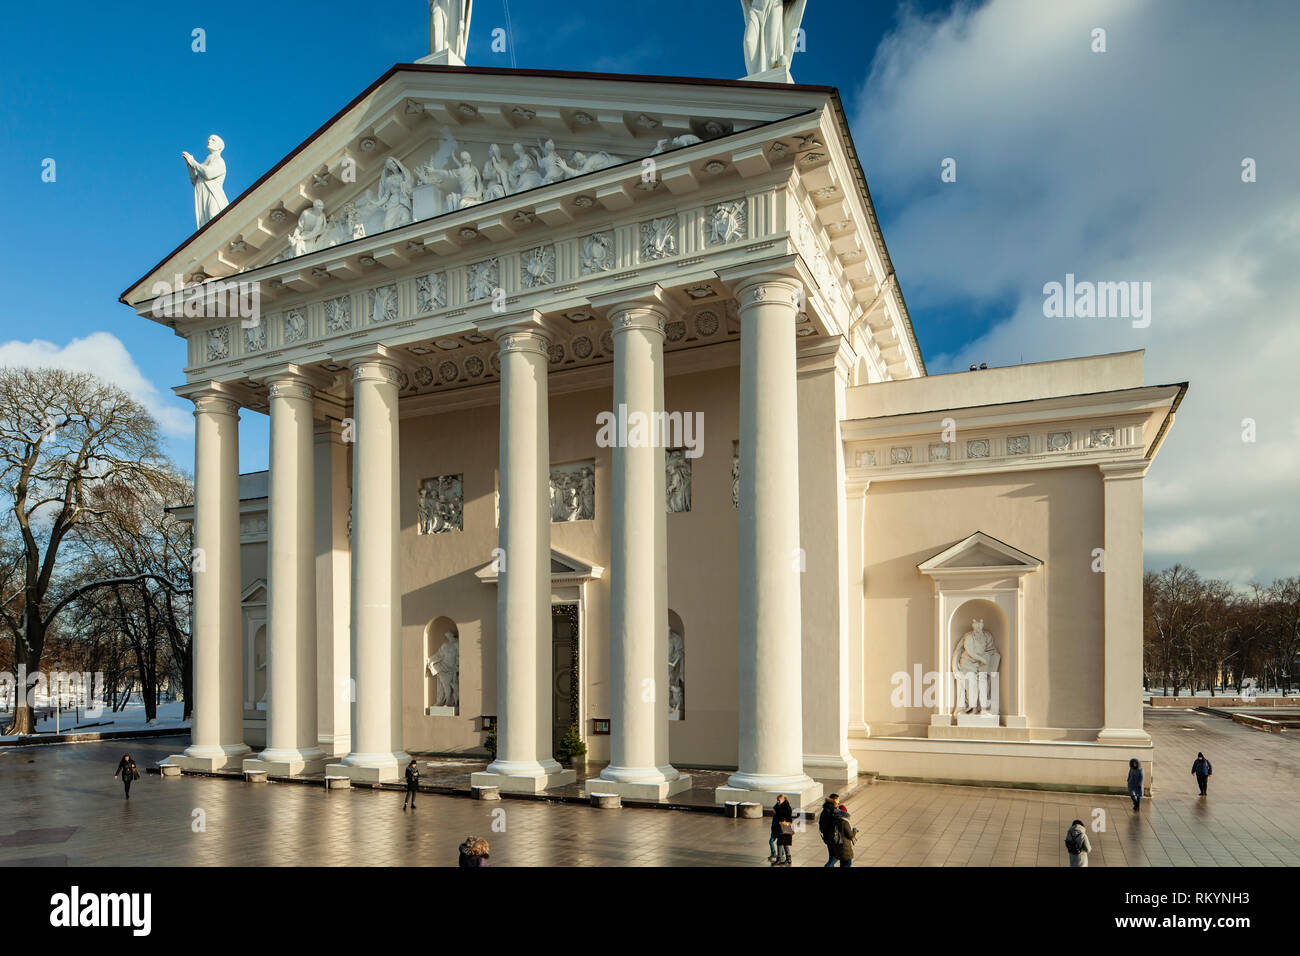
[[975, 659], [676, 676], [311, 227], [445, 666], [496, 175], [465, 175], [771, 29], [678, 480], [396, 186], [523, 172], [208, 178], [553, 167], [449, 29]]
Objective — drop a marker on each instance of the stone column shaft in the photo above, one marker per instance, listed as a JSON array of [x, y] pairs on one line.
[[769, 640], [218, 713], [376, 576], [523, 759], [639, 764], [291, 601]]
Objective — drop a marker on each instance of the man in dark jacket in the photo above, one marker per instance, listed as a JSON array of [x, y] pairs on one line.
[[1201, 767], [842, 837], [412, 780], [826, 825], [1136, 781], [127, 770]]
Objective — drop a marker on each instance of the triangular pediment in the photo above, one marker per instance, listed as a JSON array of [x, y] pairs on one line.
[[255, 593], [977, 552], [564, 568], [404, 137]]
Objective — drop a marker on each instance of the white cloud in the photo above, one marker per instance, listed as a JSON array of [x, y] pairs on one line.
[[103, 354], [1124, 165]]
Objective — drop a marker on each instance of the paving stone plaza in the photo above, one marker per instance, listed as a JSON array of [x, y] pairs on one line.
[[65, 809]]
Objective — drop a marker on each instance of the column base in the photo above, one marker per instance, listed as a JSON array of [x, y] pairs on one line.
[[286, 763], [337, 746], [370, 768], [523, 776], [831, 768], [640, 789], [206, 759], [1122, 735], [802, 792]]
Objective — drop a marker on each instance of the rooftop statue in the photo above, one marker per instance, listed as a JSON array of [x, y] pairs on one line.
[[449, 30], [771, 27], [208, 178]]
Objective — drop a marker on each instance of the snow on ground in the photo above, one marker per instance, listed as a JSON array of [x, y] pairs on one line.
[[129, 718]]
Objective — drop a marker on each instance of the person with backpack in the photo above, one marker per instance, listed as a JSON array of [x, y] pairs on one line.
[[782, 833], [412, 781], [1201, 767], [128, 771], [843, 836], [826, 824], [1077, 845], [1136, 781]]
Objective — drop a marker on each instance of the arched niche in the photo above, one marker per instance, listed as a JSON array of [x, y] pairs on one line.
[[676, 667], [441, 668], [995, 622]]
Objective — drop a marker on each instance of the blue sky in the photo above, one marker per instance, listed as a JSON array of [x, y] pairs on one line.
[[1116, 166]]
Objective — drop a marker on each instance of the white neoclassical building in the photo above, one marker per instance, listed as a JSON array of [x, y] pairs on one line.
[[595, 403]]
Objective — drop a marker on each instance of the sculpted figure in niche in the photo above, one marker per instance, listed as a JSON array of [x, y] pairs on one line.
[[676, 676], [208, 179], [444, 666], [678, 484], [975, 663]]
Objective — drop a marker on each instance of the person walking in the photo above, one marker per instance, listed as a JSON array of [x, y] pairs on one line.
[[844, 835], [1077, 845], [1136, 781], [782, 812], [782, 831], [474, 852], [826, 826], [412, 781], [127, 770], [1202, 769]]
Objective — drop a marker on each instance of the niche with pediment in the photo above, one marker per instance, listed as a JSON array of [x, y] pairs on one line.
[[979, 635]]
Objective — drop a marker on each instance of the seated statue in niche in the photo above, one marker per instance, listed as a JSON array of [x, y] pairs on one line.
[[444, 666], [975, 664]]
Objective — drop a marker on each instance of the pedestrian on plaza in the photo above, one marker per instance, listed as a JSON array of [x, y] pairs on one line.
[[826, 826], [843, 836], [1201, 767], [782, 835], [1136, 781], [474, 852], [1077, 845], [127, 770], [412, 781]]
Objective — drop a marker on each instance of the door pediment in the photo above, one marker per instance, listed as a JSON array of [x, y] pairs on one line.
[[981, 553]]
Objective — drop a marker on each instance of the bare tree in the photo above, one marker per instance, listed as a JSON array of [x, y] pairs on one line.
[[62, 434]]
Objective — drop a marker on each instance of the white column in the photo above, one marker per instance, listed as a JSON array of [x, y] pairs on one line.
[[291, 745], [769, 641], [1122, 669], [376, 753], [333, 663], [217, 725], [523, 760], [638, 642]]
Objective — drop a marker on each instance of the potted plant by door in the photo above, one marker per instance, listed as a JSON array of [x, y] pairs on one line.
[[572, 749]]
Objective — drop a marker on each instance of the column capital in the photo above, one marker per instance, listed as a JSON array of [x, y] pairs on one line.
[[370, 363], [498, 326], [210, 398], [646, 308], [292, 380]]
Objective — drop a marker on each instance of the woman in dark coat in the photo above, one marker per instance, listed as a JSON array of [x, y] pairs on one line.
[[127, 770], [782, 834], [1136, 781], [474, 852], [1201, 767]]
